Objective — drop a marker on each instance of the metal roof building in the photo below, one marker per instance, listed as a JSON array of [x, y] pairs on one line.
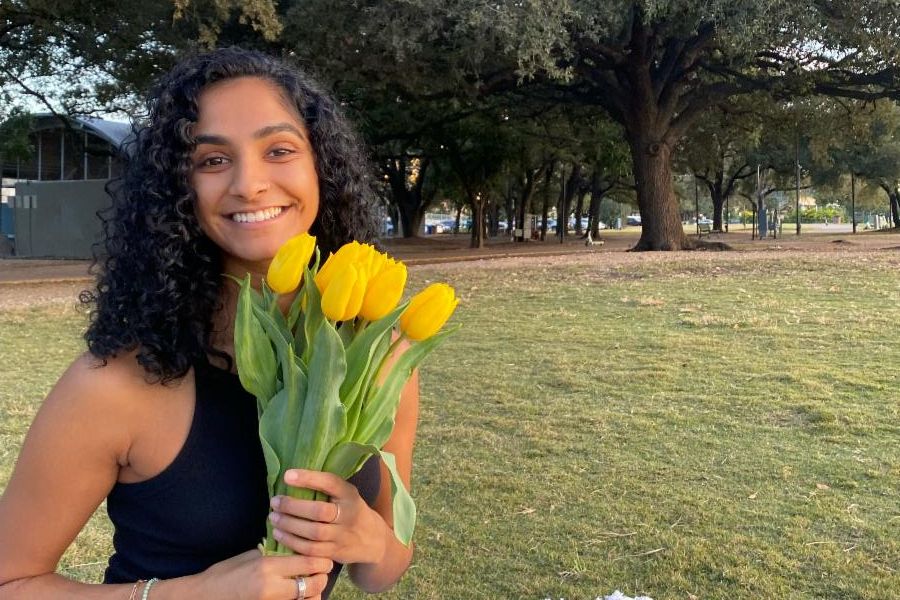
[[50, 199]]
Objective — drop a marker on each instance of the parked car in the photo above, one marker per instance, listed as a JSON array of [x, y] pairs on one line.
[[584, 223], [633, 220], [704, 221]]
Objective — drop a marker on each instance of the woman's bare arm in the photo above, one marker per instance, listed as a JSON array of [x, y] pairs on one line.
[[70, 461], [376, 577]]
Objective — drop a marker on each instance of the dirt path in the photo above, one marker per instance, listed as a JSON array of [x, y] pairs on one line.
[[30, 282]]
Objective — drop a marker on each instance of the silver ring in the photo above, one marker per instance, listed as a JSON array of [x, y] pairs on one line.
[[337, 513], [301, 587]]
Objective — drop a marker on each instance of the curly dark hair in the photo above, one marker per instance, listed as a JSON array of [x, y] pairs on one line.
[[159, 281]]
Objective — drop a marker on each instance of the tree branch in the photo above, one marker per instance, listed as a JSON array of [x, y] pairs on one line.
[[676, 67], [701, 99]]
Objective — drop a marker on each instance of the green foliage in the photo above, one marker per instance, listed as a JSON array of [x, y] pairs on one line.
[[816, 214], [14, 141], [412, 72]]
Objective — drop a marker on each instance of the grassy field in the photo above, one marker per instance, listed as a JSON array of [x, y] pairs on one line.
[[680, 426]]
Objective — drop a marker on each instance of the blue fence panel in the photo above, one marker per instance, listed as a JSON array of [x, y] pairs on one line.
[[7, 220]]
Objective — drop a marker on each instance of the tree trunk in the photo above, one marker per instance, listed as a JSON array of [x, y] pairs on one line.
[[546, 197], [525, 199], [718, 202], [458, 217], [572, 186], [594, 207], [562, 217], [495, 218], [477, 203], [409, 201], [510, 208], [579, 211], [895, 208], [660, 216]]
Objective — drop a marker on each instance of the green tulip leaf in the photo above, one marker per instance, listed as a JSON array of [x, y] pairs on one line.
[[383, 400], [294, 312], [324, 419], [354, 403], [347, 458], [346, 330], [285, 407], [273, 465], [256, 363], [361, 349], [404, 508], [276, 331], [313, 318]]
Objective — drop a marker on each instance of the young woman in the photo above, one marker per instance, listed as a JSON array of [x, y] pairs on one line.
[[241, 152]]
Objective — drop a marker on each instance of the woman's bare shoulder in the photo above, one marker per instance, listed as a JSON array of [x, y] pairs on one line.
[[119, 379], [91, 373], [99, 396], [69, 461], [114, 397]]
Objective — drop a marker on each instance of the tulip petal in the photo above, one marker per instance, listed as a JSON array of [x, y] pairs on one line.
[[286, 268], [337, 295], [428, 311]]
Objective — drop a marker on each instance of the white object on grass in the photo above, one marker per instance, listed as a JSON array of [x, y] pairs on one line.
[[617, 595]]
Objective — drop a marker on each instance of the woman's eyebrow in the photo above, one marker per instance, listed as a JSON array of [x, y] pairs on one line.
[[278, 128], [218, 140]]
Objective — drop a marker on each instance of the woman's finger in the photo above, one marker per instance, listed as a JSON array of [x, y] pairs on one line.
[[329, 483], [304, 546], [306, 586], [291, 566], [312, 510], [311, 530]]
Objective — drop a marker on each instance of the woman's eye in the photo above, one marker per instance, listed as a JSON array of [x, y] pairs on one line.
[[212, 161], [277, 152]]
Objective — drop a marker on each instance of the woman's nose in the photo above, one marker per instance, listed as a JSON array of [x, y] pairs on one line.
[[249, 179]]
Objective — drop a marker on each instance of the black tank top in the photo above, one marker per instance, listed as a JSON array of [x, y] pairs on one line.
[[211, 502]]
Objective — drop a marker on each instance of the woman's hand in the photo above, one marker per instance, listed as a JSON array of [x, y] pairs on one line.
[[250, 576], [345, 529]]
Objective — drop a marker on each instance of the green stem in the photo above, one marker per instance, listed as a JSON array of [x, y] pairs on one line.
[[359, 326], [368, 377], [363, 392], [390, 352]]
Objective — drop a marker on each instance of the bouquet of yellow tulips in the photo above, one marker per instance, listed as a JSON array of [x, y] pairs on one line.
[[326, 391]]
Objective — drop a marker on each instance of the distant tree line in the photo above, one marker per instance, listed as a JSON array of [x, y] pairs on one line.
[[516, 108]]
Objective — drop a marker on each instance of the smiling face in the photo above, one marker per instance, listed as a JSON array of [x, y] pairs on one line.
[[253, 172]]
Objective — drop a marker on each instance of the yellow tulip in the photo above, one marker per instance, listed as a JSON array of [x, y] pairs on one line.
[[337, 262], [344, 295], [372, 261], [384, 290], [286, 269], [428, 311]]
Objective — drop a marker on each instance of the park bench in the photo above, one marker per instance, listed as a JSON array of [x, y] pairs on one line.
[[704, 228], [590, 241]]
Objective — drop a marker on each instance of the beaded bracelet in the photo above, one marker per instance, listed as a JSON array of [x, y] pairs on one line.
[[147, 587]]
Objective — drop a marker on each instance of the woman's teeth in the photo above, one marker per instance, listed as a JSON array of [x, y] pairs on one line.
[[260, 215]]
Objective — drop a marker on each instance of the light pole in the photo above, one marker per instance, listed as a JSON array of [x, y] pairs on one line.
[[696, 205], [797, 208]]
